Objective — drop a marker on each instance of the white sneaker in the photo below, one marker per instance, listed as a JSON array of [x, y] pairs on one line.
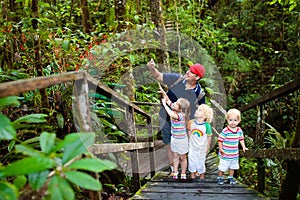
[[172, 168]]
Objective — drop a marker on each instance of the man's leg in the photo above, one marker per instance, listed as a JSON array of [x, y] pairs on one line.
[[165, 128], [170, 156]]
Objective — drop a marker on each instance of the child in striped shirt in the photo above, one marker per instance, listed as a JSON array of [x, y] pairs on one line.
[[228, 142], [179, 113]]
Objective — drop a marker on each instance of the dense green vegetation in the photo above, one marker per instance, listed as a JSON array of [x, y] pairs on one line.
[[254, 44]]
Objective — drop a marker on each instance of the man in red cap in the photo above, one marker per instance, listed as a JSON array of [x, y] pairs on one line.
[[186, 86]]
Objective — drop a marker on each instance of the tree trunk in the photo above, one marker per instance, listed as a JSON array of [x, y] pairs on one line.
[[85, 16], [128, 79], [291, 184], [9, 46], [157, 18], [37, 53], [120, 12], [138, 7]]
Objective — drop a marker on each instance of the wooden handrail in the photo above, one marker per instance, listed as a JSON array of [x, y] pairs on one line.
[[25, 85], [286, 89], [121, 147], [111, 93]]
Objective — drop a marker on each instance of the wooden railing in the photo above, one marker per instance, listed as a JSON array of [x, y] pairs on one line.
[[83, 84], [259, 152]]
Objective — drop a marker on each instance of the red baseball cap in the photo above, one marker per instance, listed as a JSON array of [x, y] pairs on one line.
[[198, 69]]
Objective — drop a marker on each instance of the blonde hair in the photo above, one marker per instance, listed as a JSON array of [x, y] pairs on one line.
[[208, 112], [184, 105], [234, 112]]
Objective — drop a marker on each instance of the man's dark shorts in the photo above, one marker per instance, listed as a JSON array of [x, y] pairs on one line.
[[165, 128]]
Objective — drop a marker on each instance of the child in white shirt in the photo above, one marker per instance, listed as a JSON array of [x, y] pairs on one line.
[[200, 134]]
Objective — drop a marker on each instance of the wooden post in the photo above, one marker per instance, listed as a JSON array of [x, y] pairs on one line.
[[151, 148], [81, 111], [134, 154], [81, 107], [260, 142], [291, 184]]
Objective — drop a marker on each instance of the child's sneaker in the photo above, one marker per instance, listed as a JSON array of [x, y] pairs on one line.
[[183, 176], [231, 181], [220, 180], [174, 175], [171, 168]]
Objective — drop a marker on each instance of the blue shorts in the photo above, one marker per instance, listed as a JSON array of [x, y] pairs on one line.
[[165, 128], [166, 133]]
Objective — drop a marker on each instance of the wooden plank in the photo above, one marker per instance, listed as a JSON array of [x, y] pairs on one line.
[[196, 196], [203, 188], [118, 147], [162, 186], [121, 147], [25, 85]]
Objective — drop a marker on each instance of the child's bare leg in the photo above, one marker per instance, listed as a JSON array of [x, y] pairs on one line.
[[175, 162], [202, 176], [221, 173], [231, 172], [193, 175], [183, 163]]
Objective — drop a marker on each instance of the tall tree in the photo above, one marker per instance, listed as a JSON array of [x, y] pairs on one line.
[[157, 17], [120, 10], [37, 49], [85, 16], [127, 75]]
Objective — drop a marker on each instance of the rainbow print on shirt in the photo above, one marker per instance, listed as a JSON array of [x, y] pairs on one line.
[[197, 132]]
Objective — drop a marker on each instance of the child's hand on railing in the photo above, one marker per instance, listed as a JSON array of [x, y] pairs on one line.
[[245, 149]]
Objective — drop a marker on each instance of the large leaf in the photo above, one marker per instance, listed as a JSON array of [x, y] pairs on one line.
[[47, 141], [83, 180], [27, 150], [93, 164], [75, 144], [32, 118], [26, 166], [8, 191], [37, 180], [8, 101], [59, 189], [7, 131]]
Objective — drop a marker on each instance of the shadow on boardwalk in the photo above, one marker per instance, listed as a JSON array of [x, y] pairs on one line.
[[162, 186]]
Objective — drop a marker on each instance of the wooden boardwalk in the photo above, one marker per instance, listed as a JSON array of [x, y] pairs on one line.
[[162, 186]]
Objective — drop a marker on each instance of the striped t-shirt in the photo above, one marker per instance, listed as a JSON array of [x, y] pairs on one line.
[[230, 143], [178, 127]]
